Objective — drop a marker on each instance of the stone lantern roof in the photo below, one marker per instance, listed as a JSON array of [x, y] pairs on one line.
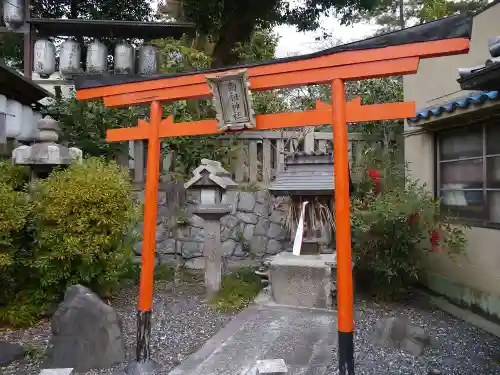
[[211, 174]]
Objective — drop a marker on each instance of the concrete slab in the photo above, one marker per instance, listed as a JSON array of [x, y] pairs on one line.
[[304, 339]]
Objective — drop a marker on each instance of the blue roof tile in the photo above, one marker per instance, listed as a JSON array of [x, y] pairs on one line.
[[464, 102]]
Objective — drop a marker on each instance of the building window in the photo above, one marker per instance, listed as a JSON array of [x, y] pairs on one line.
[[468, 172]]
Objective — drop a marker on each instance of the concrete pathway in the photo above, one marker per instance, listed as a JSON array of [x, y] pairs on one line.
[[304, 338]]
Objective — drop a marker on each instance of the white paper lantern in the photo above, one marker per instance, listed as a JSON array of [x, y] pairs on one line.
[[14, 119], [27, 129]]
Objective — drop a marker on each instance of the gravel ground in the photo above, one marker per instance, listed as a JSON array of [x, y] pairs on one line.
[[458, 348], [181, 323]]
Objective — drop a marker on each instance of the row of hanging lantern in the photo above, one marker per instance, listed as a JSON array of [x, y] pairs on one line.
[[70, 56], [20, 120]]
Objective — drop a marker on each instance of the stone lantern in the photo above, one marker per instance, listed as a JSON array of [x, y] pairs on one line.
[[45, 154], [211, 180]]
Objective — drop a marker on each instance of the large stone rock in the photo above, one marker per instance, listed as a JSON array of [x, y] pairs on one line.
[[248, 232], [166, 247], [228, 247], [85, 333], [230, 197], [276, 231], [277, 217], [397, 333], [262, 227], [191, 249], [247, 218], [196, 221], [274, 247], [246, 201], [229, 221], [261, 210], [10, 353], [197, 234], [258, 244], [263, 197]]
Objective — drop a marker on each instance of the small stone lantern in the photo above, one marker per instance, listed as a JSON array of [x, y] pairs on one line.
[[45, 154], [212, 181]]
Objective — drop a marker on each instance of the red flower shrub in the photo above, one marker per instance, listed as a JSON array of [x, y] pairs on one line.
[[435, 237], [375, 176]]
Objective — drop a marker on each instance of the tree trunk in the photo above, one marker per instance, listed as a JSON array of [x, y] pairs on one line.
[[233, 31], [402, 14]]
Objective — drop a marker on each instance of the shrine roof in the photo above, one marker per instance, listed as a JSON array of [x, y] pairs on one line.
[[306, 174], [454, 27]]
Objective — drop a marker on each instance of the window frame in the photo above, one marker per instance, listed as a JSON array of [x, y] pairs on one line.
[[483, 157]]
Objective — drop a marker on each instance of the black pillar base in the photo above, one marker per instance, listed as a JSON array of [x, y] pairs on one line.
[[143, 365], [346, 353]]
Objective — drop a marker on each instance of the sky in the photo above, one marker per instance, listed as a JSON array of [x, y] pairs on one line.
[[292, 42]]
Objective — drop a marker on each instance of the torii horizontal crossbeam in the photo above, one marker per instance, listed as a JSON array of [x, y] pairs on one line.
[[355, 112]]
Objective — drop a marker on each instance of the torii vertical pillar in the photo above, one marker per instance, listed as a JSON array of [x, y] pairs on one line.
[[343, 231], [144, 364]]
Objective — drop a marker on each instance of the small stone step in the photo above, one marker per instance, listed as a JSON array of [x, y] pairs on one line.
[[271, 367], [56, 371]]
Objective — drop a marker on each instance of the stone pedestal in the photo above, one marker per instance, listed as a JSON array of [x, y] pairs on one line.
[[304, 280], [212, 251]]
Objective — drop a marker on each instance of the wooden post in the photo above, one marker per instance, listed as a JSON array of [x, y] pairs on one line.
[[252, 156], [266, 160], [309, 140], [239, 170], [139, 161], [280, 157], [343, 230]]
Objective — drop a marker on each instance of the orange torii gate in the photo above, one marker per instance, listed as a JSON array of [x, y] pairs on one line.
[[396, 53]]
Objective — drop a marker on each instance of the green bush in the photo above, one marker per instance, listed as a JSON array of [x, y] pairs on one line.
[[392, 231], [74, 227], [83, 219], [14, 176], [13, 217]]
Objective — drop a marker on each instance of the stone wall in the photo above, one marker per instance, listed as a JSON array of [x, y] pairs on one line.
[[255, 227]]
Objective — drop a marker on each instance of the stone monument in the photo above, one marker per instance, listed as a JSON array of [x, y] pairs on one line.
[[212, 181]]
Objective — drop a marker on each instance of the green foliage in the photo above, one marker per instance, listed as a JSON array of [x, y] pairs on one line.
[[371, 91], [83, 217], [176, 56], [33, 352], [387, 13], [238, 290], [13, 216], [14, 176], [392, 231], [83, 124], [76, 227]]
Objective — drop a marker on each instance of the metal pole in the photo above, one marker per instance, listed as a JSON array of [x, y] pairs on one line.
[[343, 231], [144, 364]]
